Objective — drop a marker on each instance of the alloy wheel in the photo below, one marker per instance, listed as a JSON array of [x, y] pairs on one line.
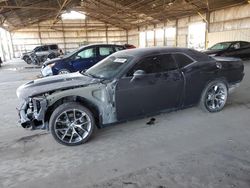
[[72, 126], [216, 97]]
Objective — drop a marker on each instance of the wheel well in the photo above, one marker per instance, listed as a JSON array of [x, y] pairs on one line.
[[213, 80], [217, 79], [78, 99]]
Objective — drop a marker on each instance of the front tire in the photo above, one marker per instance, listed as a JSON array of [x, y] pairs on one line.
[[27, 60], [214, 96], [72, 124]]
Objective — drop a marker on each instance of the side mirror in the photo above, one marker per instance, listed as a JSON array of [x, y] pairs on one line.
[[138, 74]]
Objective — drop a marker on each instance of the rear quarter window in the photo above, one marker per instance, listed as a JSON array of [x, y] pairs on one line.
[[182, 60], [198, 56]]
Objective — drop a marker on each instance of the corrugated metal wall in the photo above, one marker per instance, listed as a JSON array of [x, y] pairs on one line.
[[228, 24], [68, 34], [225, 25]]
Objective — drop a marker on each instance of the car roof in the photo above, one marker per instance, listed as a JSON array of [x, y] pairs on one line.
[[152, 50], [232, 41], [98, 44], [143, 52]]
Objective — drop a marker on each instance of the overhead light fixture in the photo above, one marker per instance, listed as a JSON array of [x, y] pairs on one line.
[[73, 15]]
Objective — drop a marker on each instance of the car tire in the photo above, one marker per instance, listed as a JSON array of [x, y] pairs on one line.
[[214, 96], [72, 124], [63, 71], [27, 60]]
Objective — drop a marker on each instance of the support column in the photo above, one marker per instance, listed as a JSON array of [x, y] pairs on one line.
[[2, 53], [207, 29], [106, 34], [39, 34], [12, 45], [176, 33], [64, 41], [8, 44], [164, 35], [154, 35], [127, 36], [86, 31]]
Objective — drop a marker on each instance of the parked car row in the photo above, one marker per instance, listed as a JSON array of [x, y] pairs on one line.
[[41, 53], [87, 56]]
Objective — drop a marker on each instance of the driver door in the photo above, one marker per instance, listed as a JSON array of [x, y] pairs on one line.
[[160, 88], [84, 59]]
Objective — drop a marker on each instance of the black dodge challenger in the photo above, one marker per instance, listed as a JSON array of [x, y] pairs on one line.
[[238, 49], [127, 84]]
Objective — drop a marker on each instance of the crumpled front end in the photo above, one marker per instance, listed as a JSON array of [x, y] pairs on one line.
[[32, 112]]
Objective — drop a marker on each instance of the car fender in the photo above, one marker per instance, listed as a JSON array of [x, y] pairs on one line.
[[95, 95]]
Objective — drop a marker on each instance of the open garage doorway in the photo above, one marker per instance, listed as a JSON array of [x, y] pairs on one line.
[[197, 36], [6, 51]]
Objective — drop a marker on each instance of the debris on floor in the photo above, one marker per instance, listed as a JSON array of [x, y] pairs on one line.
[[151, 121]]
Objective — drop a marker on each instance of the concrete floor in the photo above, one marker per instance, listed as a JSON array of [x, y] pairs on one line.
[[187, 148]]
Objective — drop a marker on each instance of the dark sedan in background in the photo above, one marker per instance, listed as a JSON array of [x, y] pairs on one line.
[[80, 59], [125, 85], [239, 49]]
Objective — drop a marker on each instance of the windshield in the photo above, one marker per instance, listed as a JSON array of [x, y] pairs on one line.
[[221, 46], [109, 67], [72, 52]]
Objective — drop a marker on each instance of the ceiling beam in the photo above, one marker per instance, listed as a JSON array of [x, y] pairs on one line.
[[26, 7], [60, 10]]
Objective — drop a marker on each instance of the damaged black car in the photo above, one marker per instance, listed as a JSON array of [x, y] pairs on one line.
[[124, 86]]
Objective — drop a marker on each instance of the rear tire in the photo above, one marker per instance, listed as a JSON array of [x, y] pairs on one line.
[[214, 96], [72, 124], [27, 60]]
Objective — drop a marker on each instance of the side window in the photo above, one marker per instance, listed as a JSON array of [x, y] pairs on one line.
[[155, 64], [119, 48], [106, 50], [87, 53], [44, 48], [182, 60], [53, 47], [38, 49], [236, 46]]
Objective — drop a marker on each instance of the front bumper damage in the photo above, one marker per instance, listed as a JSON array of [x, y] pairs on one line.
[[32, 113]]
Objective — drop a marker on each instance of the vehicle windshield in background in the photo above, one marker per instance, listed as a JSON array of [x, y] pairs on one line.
[[109, 67], [72, 52], [221, 46]]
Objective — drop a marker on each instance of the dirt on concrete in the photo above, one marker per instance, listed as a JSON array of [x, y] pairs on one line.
[[187, 148]]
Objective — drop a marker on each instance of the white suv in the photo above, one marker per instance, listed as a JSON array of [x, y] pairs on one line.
[[43, 52]]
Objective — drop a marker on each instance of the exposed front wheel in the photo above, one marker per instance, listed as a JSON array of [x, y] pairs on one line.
[[72, 124], [214, 96]]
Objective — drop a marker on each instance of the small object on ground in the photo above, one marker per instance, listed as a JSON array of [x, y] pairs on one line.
[[151, 121]]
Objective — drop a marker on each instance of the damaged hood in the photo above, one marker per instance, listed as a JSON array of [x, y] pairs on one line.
[[53, 83]]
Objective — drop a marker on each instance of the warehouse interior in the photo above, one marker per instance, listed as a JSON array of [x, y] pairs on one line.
[[141, 23], [177, 148]]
